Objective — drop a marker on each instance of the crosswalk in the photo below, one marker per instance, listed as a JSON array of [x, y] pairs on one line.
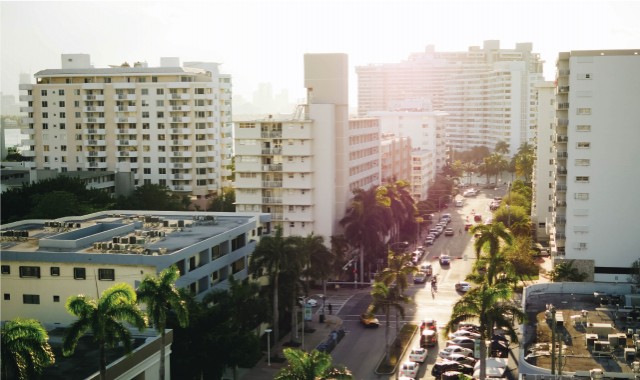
[[334, 303]]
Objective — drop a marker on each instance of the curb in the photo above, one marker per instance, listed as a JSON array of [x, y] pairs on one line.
[[395, 368]]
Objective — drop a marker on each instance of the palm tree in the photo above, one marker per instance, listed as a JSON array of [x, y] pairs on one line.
[[366, 221], [491, 236], [386, 298], [565, 271], [399, 267], [321, 260], [25, 349], [270, 256], [103, 317], [524, 161], [489, 305], [502, 147], [315, 365], [161, 296]]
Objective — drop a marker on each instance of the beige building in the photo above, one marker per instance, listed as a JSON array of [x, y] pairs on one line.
[[44, 262], [168, 125], [302, 169]]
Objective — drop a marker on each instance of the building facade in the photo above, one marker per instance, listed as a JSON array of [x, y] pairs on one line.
[[303, 168], [395, 158], [486, 91], [595, 167], [46, 261], [168, 125]]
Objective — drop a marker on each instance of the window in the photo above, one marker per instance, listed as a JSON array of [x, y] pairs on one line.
[[107, 274], [584, 76], [43, 92], [29, 272], [55, 271], [583, 162], [583, 128], [61, 92], [583, 111], [45, 115], [583, 145], [162, 171], [62, 115], [7, 297], [145, 115], [160, 91], [160, 114], [56, 298], [6, 269], [147, 170], [45, 104], [581, 196], [145, 91], [32, 299], [159, 103], [582, 179], [79, 273], [581, 246], [61, 104]]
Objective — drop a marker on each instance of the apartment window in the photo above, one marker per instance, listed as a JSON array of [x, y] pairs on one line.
[[45, 148], [585, 76], [7, 297], [63, 126], [43, 92], [107, 274], [146, 160], [61, 92], [145, 91], [583, 127], [78, 115], [583, 111], [160, 114], [56, 298], [582, 179], [6, 269], [76, 103], [79, 273], [154, 79], [581, 196], [31, 299], [162, 160], [29, 272], [145, 115], [77, 92], [62, 115], [61, 104], [55, 271], [160, 125], [45, 104], [583, 145], [292, 224], [583, 162], [107, 80], [581, 245], [147, 170], [160, 91], [45, 125], [45, 115]]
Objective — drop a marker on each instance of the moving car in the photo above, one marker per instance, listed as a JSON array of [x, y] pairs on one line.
[[463, 286], [428, 338], [429, 324], [427, 269], [446, 352], [445, 259], [369, 320], [418, 354], [448, 232], [409, 369], [419, 278], [459, 203]]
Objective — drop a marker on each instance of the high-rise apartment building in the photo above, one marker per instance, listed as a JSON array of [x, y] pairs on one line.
[[395, 158], [487, 92], [302, 170], [168, 125], [596, 161]]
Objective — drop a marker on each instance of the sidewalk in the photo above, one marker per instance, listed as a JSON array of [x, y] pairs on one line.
[[311, 340]]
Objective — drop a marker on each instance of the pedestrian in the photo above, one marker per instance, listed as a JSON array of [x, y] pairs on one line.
[[330, 309]]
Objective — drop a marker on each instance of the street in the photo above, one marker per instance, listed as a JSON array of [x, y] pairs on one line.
[[362, 349]]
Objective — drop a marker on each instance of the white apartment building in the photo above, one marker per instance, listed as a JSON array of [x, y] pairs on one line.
[[422, 173], [395, 158], [486, 91], [543, 205], [596, 167], [44, 262], [302, 169], [168, 125]]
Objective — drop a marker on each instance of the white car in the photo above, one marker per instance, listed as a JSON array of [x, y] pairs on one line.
[[311, 302], [463, 286], [418, 354], [446, 352], [464, 333], [409, 369]]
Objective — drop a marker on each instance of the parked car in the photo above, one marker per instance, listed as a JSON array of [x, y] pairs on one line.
[[409, 369], [418, 354], [462, 359], [462, 341], [463, 286], [465, 333], [446, 352], [443, 366], [369, 320], [419, 278], [448, 232], [429, 241], [445, 259]]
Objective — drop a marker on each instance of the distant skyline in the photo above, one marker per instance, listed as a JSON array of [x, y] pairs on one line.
[[264, 41]]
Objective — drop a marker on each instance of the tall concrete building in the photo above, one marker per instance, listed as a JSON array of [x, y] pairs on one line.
[[168, 125], [302, 169], [596, 161], [486, 91]]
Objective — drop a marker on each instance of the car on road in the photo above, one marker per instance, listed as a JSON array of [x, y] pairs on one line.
[[419, 278], [409, 369], [463, 286], [369, 320], [465, 333], [429, 240], [446, 352], [443, 366], [439, 230], [310, 302], [418, 354], [445, 259], [448, 232], [459, 203], [427, 268]]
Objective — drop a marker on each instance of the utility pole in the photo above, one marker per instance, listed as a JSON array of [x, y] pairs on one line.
[[552, 309]]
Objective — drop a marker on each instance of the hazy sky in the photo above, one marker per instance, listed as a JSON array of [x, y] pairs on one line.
[[264, 41]]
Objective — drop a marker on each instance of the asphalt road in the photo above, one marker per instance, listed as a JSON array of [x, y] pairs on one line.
[[362, 348]]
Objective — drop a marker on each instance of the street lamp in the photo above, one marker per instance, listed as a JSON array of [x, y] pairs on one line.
[[268, 331]]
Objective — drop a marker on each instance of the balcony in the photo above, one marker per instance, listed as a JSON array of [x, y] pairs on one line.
[[271, 151], [126, 142], [29, 153], [125, 119], [562, 154], [180, 131], [180, 119], [125, 109], [563, 106], [562, 138], [272, 168], [562, 122], [181, 165], [96, 153], [95, 131], [95, 143], [561, 221], [181, 188], [28, 142], [25, 98], [561, 203], [272, 184], [26, 109], [561, 171], [182, 154], [90, 97], [563, 89], [561, 188], [27, 120], [181, 108], [271, 135], [97, 165], [127, 153], [181, 142], [182, 177], [272, 200], [93, 120]]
